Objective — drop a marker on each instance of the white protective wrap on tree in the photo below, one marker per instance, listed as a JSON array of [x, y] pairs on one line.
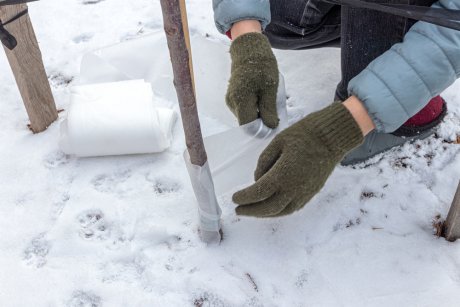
[[208, 207]]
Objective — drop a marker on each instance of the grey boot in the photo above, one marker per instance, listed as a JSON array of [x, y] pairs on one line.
[[378, 142]]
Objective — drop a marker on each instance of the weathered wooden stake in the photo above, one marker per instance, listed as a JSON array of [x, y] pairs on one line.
[[451, 228], [176, 28], [28, 69]]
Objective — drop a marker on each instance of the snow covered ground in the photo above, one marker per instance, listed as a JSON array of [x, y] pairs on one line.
[[122, 231]]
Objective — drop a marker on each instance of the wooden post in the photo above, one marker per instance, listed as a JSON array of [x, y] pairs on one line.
[[176, 28], [28, 69], [451, 228]]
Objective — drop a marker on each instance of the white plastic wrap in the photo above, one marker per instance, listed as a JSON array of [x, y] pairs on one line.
[[147, 58], [115, 119], [233, 154], [208, 207]]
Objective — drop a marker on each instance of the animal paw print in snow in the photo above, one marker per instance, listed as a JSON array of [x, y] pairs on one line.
[[84, 299], [93, 225], [36, 251], [56, 159], [164, 185]]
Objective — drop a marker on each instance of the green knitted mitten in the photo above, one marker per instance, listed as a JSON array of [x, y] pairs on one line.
[[254, 80], [296, 164]]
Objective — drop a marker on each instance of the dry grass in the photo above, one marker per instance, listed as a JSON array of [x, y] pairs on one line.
[[438, 225], [457, 141]]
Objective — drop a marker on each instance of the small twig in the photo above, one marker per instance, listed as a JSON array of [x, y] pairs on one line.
[[254, 285]]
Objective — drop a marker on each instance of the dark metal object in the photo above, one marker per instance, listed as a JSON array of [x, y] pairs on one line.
[[8, 40]]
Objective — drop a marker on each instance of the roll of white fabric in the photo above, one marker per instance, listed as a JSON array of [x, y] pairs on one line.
[[115, 119]]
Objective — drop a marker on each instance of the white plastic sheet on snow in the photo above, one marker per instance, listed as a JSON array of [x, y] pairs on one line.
[[232, 154], [147, 58]]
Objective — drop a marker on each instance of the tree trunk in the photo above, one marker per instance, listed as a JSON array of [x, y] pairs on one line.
[[27, 65], [451, 229], [176, 28]]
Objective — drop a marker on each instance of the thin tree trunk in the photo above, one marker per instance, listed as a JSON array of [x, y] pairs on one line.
[[451, 229], [176, 28]]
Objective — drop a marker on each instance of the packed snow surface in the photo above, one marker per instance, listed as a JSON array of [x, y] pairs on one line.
[[122, 231]]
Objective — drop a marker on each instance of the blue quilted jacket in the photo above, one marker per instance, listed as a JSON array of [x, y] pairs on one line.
[[396, 85]]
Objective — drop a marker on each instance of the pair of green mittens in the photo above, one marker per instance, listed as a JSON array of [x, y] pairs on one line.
[[296, 164]]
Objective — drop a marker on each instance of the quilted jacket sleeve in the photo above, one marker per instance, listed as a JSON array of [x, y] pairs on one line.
[[227, 12], [399, 83]]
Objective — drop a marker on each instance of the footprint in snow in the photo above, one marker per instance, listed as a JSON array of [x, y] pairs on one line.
[[59, 205], [84, 299], [369, 194], [302, 279], [36, 251], [93, 225], [24, 199], [55, 159], [83, 38], [111, 183], [207, 299], [89, 2], [164, 185], [59, 79]]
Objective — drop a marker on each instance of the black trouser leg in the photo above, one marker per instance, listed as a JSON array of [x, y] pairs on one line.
[[365, 35]]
